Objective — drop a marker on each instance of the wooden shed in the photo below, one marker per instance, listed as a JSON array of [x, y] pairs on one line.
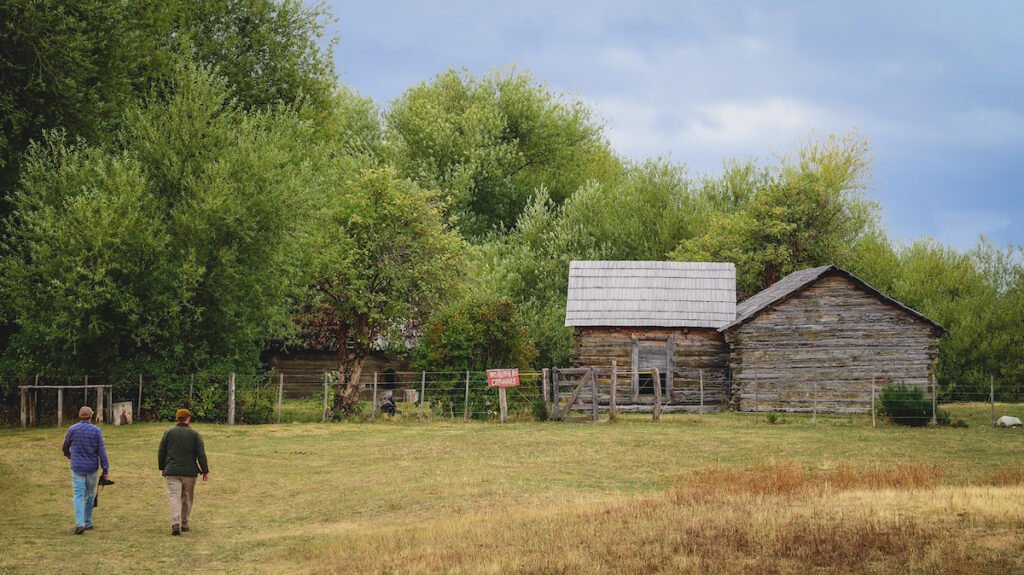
[[821, 338], [651, 315]]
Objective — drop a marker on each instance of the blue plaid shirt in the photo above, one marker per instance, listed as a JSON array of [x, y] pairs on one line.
[[84, 445]]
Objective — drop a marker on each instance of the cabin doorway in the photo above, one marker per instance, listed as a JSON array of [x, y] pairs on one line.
[[652, 355]]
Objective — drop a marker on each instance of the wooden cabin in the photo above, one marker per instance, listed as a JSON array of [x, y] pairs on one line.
[[646, 316], [820, 339]]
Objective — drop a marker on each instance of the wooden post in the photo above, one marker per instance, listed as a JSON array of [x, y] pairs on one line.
[[635, 358], [612, 408], [657, 393], [110, 403], [465, 404], [24, 408], [593, 393], [992, 398], [231, 398], [373, 410], [670, 352], [502, 404], [873, 425], [323, 418], [60, 407], [544, 393], [555, 403], [702, 395], [814, 418], [139, 414], [423, 395], [280, 394], [99, 404]]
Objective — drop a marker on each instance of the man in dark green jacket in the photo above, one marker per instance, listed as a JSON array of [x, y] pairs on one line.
[[182, 457]]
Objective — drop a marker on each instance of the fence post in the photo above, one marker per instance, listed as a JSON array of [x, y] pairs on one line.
[[99, 404], [701, 395], [323, 412], [60, 407], [373, 410], [140, 397], [992, 398], [612, 408], [423, 394], [544, 393], [24, 408], [465, 405], [280, 394], [657, 394], [231, 398], [593, 393], [502, 404], [555, 408], [873, 425]]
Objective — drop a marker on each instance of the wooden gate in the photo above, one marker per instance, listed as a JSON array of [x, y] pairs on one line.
[[573, 389]]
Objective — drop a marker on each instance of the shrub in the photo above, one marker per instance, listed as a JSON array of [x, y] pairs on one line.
[[905, 405], [540, 409], [252, 408], [943, 417]]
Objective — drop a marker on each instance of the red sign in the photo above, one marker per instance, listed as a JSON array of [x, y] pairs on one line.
[[503, 377]]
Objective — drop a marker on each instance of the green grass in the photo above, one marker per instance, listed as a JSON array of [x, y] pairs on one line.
[[281, 494]]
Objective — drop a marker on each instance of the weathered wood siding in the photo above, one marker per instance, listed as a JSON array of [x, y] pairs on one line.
[[692, 350], [824, 345]]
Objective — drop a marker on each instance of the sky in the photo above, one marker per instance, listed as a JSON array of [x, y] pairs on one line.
[[937, 88]]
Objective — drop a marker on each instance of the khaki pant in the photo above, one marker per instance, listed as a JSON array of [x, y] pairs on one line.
[[179, 496]]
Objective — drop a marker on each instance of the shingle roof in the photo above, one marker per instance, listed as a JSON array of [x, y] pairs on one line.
[[651, 294], [795, 282]]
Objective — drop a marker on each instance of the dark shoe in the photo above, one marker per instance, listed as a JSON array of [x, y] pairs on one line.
[[185, 529], [79, 530], [175, 530], [88, 527]]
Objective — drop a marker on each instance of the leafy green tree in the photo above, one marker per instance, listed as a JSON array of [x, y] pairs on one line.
[[385, 259], [170, 249], [488, 143], [77, 65], [810, 213]]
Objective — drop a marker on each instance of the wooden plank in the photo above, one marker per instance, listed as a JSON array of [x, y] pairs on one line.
[[545, 392], [24, 408], [231, 398], [593, 395], [502, 404], [611, 399], [657, 393], [576, 392], [635, 368], [60, 407], [99, 404], [669, 362]]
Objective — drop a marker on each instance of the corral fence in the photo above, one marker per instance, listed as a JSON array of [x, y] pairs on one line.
[[270, 397], [560, 394]]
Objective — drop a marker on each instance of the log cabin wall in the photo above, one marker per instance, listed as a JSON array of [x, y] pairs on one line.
[[823, 345], [636, 349], [307, 367]]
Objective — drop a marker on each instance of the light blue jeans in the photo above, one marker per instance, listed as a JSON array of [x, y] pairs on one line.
[[85, 494]]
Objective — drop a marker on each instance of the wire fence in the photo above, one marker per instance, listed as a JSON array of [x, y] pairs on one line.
[[557, 394]]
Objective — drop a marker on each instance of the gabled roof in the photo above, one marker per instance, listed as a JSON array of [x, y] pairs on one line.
[[650, 294], [797, 281]]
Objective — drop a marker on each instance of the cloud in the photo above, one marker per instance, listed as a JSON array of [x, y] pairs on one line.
[[988, 127], [705, 134]]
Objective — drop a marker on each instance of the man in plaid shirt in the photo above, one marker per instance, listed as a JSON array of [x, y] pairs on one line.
[[84, 446]]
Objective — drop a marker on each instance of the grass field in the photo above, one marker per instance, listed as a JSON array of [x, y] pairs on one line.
[[729, 494]]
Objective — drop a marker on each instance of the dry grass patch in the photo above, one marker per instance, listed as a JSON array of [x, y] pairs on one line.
[[768, 518]]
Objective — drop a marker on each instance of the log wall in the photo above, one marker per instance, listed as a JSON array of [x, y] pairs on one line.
[[820, 349], [691, 349]]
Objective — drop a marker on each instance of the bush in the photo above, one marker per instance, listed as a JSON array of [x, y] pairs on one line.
[[540, 409], [252, 408], [905, 405], [943, 417]]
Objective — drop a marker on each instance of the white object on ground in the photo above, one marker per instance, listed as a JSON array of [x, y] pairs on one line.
[[1007, 421]]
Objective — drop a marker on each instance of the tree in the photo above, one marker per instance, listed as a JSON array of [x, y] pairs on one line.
[[385, 259], [488, 144], [169, 250], [810, 213]]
